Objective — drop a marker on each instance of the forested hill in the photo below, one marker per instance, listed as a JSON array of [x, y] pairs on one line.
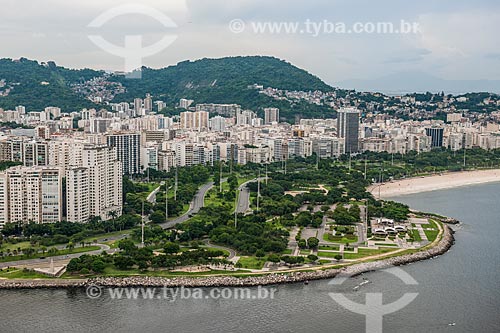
[[226, 80], [224, 74], [36, 86]]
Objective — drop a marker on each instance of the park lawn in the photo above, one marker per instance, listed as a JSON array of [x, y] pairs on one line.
[[416, 235], [252, 262], [13, 247], [339, 239], [325, 247], [385, 244], [287, 251], [431, 234], [432, 225], [305, 252], [15, 273], [47, 255], [366, 253], [327, 254], [226, 252]]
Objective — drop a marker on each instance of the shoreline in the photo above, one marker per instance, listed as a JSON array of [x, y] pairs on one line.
[[444, 244], [434, 183]]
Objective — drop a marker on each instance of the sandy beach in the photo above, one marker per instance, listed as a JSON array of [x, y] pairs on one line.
[[435, 182]]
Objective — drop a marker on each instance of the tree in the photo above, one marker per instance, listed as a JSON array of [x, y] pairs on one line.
[[260, 253], [233, 183], [312, 242], [312, 257], [338, 257], [157, 217], [70, 246], [123, 262], [274, 258], [127, 245], [171, 248], [302, 243], [98, 266]]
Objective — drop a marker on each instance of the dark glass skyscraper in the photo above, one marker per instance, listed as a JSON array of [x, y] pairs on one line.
[[436, 135], [348, 128]]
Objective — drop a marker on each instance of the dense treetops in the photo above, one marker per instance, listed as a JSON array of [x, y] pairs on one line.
[[38, 86]]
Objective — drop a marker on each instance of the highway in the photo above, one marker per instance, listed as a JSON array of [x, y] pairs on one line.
[[244, 197], [197, 203], [57, 259]]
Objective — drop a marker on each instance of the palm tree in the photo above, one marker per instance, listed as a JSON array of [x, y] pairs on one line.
[[113, 214], [70, 246]]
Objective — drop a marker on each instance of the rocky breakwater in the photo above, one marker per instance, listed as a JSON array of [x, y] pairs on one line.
[[41, 283]]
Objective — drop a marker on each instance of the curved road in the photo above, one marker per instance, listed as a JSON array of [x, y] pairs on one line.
[[197, 203], [244, 197], [65, 258]]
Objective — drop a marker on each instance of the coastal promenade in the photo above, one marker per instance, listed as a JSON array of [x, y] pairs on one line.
[[440, 246]]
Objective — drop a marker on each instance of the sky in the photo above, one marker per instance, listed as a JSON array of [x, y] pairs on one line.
[[455, 39]]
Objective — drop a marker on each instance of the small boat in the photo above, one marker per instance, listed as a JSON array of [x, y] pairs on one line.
[[306, 282]]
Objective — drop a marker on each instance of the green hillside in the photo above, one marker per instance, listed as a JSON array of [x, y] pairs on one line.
[[37, 86]]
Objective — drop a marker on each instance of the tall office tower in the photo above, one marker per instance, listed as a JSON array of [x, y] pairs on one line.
[[148, 103], [128, 150], [436, 134], [348, 128], [30, 194], [138, 106], [271, 115], [95, 188]]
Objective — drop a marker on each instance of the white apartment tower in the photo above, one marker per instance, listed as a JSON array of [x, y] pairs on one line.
[[95, 187], [271, 115], [30, 194]]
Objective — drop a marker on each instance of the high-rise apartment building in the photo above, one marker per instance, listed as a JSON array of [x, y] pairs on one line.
[[30, 194], [127, 145], [271, 115], [95, 187]]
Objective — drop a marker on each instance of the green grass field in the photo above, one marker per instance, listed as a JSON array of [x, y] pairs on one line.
[[15, 273], [431, 234], [340, 239], [366, 253], [252, 262], [327, 254]]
